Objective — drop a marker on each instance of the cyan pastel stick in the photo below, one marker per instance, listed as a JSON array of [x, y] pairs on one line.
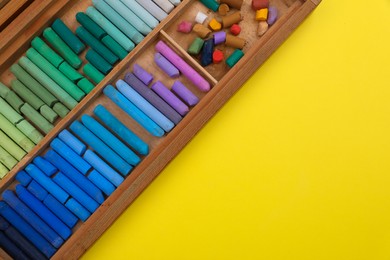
[[170, 98], [165, 5], [43, 212], [114, 46], [102, 183], [129, 16], [23, 178], [166, 66], [153, 98], [121, 130], [98, 61], [90, 25], [133, 111], [37, 190], [68, 154], [142, 74], [144, 106], [60, 211], [11, 249], [74, 175], [82, 213], [68, 36], [110, 140], [102, 167], [184, 93], [47, 183], [101, 148], [118, 21], [33, 219], [141, 12], [77, 193], [26, 229], [45, 166], [72, 141], [114, 32], [153, 9]]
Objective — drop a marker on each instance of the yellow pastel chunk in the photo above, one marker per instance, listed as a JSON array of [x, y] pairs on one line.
[[262, 14], [215, 25]]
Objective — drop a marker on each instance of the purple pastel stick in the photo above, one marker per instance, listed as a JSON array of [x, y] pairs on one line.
[[170, 98], [184, 68], [219, 37], [272, 15], [184, 93], [142, 74], [166, 66]]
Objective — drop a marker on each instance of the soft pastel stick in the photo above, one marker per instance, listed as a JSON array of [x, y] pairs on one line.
[[90, 25], [68, 154], [72, 141], [142, 74], [60, 109], [110, 140], [6, 159], [166, 66], [44, 49], [45, 166], [165, 5], [23, 178], [93, 73], [60, 211], [15, 134], [82, 213], [26, 229], [74, 175], [27, 129], [3, 170], [47, 183], [133, 111], [67, 36], [26, 94], [37, 119], [141, 12], [102, 183], [98, 61], [114, 46], [153, 9], [85, 85], [170, 98], [11, 249], [101, 148], [70, 72], [102, 167], [153, 98], [37, 190], [175, 2], [48, 113], [11, 114], [183, 66], [9, 145]]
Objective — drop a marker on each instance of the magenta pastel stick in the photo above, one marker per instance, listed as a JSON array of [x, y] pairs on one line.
[[170, 98], [142, 74], [184, 93], [166, 66], [184, 68]]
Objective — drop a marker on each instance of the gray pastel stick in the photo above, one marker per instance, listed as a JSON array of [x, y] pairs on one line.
[[153, 9]]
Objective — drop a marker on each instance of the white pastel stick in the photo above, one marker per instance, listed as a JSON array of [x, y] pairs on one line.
[[141, 13], [165, 5], [153, 9], [175, 2]]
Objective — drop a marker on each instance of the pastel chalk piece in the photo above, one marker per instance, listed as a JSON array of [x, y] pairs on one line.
[[235, 41], [215, 25], [259, 4], [166, 66], [3, 171], [26, 94], [72, 141], [85, 85], [235, 29], [272, 15], [48, 113], [40, 46], [14, 100], [219, 37], [45, 166], [196, 46], [67, 36], [184, 93], [165, 5], [60, 211], [10, 113], [231, 19], [153, 9], [200, 17], [60, 109], [102, 183], [4, 90], [233, 3], [98, 61], [70, 72], [81, 212], [175, 2], [217, 56], [201, 30], [12, 250], [6, 159], [23, 178], [121, 130], [114, 46], [184, 27], [141, 12], [223, 9], [170, 98], [234, 58], [262, 14], [9, 145], [206, 57], [36, 118], [142, 74], [262, 28], [90, 25], [37, 190], [211, 4], [93, 73]]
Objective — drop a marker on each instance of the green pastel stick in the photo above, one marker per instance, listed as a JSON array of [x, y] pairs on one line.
[[234, 58], [70, 72], [11, 147], [3, 90], [7, 159], [90, 25], [27, 129], [60, 109], [33, 85], [47, 82], [93, 73], [38, 120], [26, 94], [47, 52], [48, 113], [14, 100], [85, 85], [55, 74], [15, 134], [196, 46], [115, 47], [10, 113], [98, 62], [3, 171], [62, 48], [67, 36]]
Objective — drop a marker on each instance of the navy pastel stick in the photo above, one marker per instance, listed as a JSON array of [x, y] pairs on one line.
[[73, 174], [30, 217], [72, 141], [11, 249], [28, 231], [68, 154], [23, 178], [46, 167], [37, 190], [81, 212], [101, 182], [60, 211]]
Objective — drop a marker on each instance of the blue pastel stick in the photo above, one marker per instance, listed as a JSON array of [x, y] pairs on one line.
[[33, 219], [110, 140], [101, 182], [121, 130], [43, 212], [23, 178], [72, 141], [101, 148], [68, 154], [37, 190], [73, 174], [77, 209], [144, 106], [133, 111], [102, 167], [11, 249], [76, 192], [47, 183], [46, 167], [60, 211]]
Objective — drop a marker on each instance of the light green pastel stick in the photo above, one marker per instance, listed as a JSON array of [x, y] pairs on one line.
[[93, 73], [85, 85], [10, 113], [44, 49], [14, 100], [60, 109], [11, 147], [70, 72], [55, 74], [141, 13], [3, 171], [27, 129], [3, 90], [26, 94], [38, 120], [48, 113], [63, 49], [7, 159], [111, 30], [15, 134], [47, 82]]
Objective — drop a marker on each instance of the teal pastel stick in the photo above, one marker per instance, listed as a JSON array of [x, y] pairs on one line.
[[141, 13], [98, 61], [111, 30], [93, 73], [68, 36], [47, 52], [90, 25], [70, 72], [86, 85], [115, 47]]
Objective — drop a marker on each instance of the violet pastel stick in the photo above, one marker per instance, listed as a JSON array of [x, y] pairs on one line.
[[142, 74], [166, 66], [170, 98], [183, 66], [184, 93]]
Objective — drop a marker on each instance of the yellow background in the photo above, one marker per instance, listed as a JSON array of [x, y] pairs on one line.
[[295, 166]]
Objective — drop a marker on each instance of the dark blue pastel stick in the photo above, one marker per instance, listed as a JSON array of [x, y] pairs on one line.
[[60, 211], [101, 182], [68, 154], [102, 167], [23, 178], [76, 192], [11, 249], [37, 190], [73, 174], [77, 209], [47, 183], [33, 219], [121, 130], [72, 141], [111, 140], [46, 167], [26, 229], [101, 148], [133, 111], [42, 211]]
